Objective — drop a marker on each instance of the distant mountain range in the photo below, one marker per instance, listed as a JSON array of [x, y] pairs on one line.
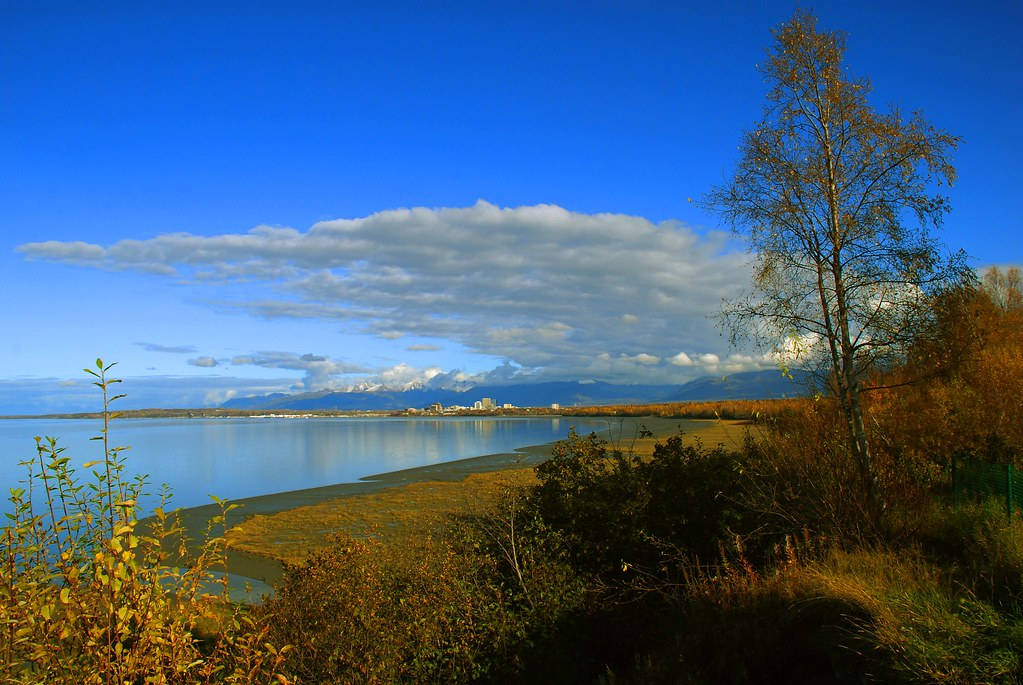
[[746, 385]]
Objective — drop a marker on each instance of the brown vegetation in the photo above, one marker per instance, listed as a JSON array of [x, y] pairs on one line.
[[724, 409], [410, 511], [962, 390]]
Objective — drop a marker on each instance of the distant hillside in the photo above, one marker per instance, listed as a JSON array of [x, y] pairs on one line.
[[747, 385]]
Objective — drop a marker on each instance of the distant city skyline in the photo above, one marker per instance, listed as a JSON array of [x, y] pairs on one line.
[[235, 201]]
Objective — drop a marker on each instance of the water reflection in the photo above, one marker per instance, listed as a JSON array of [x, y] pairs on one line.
[[236, 458]]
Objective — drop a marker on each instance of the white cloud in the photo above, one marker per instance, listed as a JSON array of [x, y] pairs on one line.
[[735, 363], [320, 372], [213, 398], [682, 359], [204, 362], [795, 349], [709, 362], [642, 358], [540, 286], [403, 376], [504, 374], [423, 348]]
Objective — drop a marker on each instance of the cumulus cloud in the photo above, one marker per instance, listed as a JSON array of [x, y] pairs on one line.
[[169, 349], [682, 359], [402, 376], [540, 286], [212, 398], [642, 358], [506, 373], [796, 349], [320, 372], [423, 348], [204, 362]]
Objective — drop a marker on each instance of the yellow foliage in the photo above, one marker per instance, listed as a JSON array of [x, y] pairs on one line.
[[88, 593]]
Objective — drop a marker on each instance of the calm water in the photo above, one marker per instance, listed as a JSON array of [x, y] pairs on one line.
[[234, 458]]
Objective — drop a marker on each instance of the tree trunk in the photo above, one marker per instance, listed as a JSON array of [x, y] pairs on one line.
[[849, 391], [861, 450]]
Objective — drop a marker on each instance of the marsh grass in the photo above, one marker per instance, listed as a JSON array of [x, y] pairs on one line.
[[391, 514], [868, 615], [922, 622], [396, 513]]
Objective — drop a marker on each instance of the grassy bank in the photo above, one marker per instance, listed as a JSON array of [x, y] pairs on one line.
[[265, 567], [421, 500]]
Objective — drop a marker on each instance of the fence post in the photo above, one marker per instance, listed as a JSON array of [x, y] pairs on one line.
[[1008, 489]]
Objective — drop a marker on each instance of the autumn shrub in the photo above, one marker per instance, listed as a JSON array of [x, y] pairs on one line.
[[555, 607], [800, 476], [722, 409], [959, 390], [615, 510], [625, 525], [617, 513], [530, 560], [91, 594], [362, 611], [790, 479]]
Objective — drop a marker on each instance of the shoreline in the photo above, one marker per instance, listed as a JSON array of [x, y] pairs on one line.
[[248, 567]]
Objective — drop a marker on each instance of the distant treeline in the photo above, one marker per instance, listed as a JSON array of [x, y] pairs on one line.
[[724, 409]]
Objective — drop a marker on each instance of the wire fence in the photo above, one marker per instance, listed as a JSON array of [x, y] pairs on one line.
[[976, 480]]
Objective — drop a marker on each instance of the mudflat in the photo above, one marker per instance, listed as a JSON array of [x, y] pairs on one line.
[[287, 526]]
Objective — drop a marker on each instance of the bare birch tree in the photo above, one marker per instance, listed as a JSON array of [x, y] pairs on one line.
[[837, 203]]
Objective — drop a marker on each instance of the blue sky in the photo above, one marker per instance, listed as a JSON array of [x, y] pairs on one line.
[[237, 199]]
